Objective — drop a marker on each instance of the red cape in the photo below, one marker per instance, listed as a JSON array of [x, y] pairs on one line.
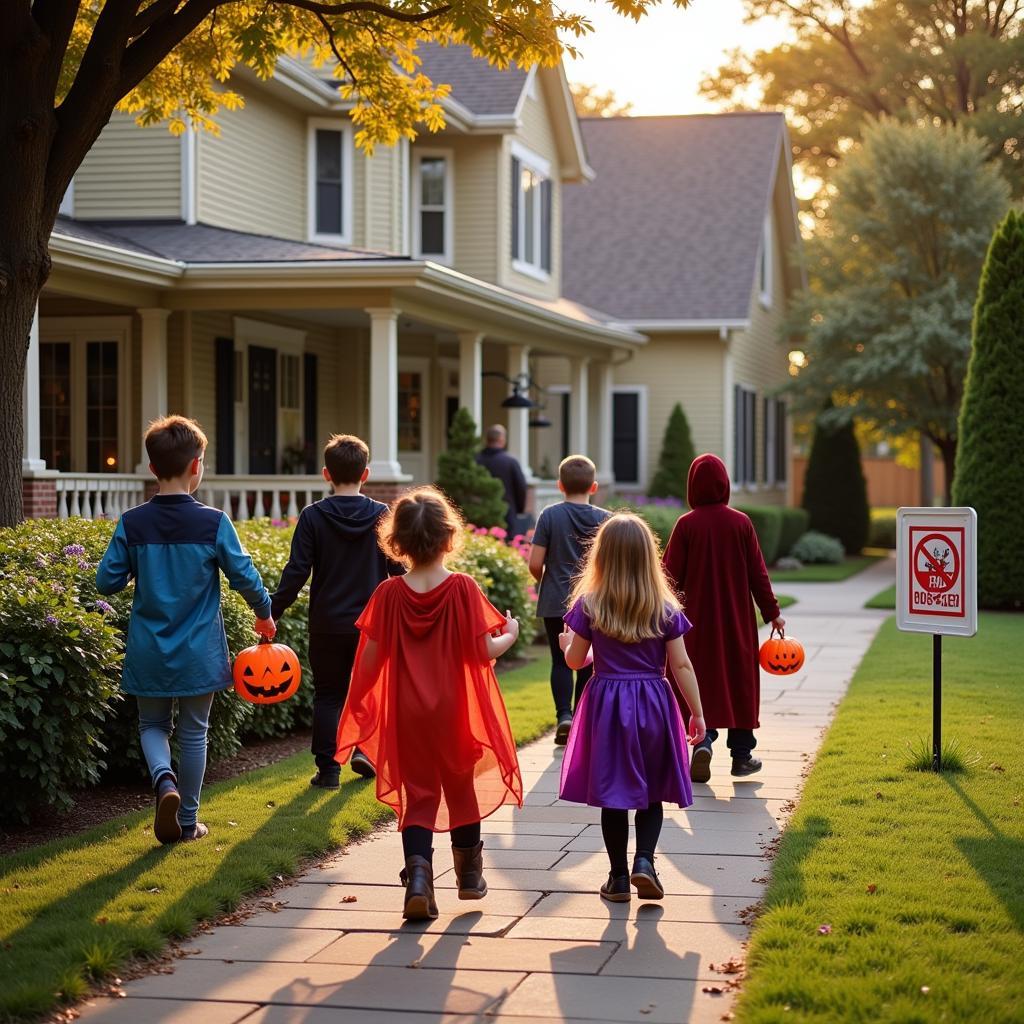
[[431, 717], [715, 561]]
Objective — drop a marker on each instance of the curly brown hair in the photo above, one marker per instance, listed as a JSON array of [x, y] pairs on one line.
[[420, 527]]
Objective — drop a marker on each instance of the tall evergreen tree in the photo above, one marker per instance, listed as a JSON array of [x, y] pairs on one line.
[[989, 465], [835, 491], [480, 495], [677, 453]]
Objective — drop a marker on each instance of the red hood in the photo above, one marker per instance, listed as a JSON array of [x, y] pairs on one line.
[[708, 482]]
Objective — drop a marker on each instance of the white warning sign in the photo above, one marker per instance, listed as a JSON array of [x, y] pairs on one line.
[[936, 588]]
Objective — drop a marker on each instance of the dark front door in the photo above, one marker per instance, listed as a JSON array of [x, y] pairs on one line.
[[262, 410]]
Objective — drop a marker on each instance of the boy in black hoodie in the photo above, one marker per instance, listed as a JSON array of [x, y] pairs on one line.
[[336, 540]]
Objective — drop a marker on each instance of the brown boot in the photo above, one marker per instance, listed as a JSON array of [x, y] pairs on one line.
[[418, 879], [469, 872]]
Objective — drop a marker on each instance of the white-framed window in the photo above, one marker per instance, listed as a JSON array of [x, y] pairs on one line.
[[85, 394], [433, 205], [744, 436], [532, 199], [329, 174], [629, 435], [765, 264], [67, 202], [774, 448]]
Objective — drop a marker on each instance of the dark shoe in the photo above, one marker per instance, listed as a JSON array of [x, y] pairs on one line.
[[700, 765], [362, 766], [616, 889], [562, 729], [326, 779], [469, 872], [165, 820], [418, 879], [194, 832], [645, 878], [745, 765]]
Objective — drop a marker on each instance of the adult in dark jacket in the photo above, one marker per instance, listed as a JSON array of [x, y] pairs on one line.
[[505, 467], [715, 561], [335, 539]]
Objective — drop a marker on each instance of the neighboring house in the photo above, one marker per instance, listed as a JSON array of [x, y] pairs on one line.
[[279, 285]]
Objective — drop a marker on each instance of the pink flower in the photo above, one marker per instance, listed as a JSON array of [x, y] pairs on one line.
[[480, 531], [497, 531]]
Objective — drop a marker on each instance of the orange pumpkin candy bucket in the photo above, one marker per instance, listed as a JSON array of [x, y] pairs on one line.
[[267, 673], [781, 655]]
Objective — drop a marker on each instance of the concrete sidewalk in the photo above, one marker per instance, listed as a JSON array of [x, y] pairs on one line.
[[542, 947]]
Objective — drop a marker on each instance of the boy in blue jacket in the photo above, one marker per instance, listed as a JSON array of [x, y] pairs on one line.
[[174, 548]]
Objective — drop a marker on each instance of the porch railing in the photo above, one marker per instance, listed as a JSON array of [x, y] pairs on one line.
[[107, 495], [98, 495]]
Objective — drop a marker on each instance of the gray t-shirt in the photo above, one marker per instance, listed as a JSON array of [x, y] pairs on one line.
[[565, 530]]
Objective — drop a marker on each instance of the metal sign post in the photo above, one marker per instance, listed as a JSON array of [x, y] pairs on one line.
[[936, 586]]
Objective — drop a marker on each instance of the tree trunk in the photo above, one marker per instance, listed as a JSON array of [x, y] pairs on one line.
[[927, 470]]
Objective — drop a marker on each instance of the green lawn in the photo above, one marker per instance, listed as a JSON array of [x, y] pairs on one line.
[[919, 878], [884, 599], [824, 573], [75, 909], [785, 600]]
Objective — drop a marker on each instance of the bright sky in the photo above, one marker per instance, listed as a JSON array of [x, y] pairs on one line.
[[658, 63]]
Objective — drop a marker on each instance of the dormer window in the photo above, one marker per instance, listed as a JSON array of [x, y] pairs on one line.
[[531, 213], [432, 205], [330, 181]]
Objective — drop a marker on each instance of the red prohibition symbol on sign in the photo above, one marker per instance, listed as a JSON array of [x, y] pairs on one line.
[[936, 563]]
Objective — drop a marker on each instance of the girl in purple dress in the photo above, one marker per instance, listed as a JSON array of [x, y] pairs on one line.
[[627, 746]]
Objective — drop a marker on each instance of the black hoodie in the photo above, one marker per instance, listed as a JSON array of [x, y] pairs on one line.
[[336, 540]]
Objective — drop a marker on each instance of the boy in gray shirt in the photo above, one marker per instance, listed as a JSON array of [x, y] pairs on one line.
[[560, 541]]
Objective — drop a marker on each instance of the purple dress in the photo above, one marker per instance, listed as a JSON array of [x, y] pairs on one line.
[[627, 745]]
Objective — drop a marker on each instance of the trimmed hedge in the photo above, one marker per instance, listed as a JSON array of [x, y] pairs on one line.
[[661, 517], [767, 520], [882, 533], [64, 723], [795, 523]]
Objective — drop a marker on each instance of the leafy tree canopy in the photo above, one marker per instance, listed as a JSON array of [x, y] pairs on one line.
[[850, 64], [886, 324], [591, 102]]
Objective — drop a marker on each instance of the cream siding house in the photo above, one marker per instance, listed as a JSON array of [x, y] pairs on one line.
[[279, 285]]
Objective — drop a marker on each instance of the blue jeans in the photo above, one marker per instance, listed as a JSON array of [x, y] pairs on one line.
[[739, 741], [156, 723]]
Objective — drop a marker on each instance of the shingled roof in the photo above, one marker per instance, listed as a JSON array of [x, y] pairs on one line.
[[200, 243], [671, 227], [480, 87]]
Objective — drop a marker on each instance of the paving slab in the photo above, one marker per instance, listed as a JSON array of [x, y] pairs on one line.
[[136, 1010], [283, 945], [723, 909], [351, 899], [455, 921]]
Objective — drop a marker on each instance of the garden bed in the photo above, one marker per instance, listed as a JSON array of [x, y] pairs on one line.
[[897, 895]]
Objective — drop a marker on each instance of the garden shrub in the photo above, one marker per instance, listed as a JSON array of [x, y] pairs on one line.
[[677, 452], [795, 522], [815, 548], [767, 520], [480, 496], [59, 669], [882, 533], [660, 514], [835, 491], [989, 472], [502, 573]]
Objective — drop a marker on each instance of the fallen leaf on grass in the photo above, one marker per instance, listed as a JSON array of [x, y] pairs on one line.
[[879, 796], [824, 929], [925, 989], [102, 920], [872, 889], [995, 767], [155, 889], [731, 966], [271, 803]]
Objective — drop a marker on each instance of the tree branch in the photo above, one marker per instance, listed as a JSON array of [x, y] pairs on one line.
[[334, 48], [56, 21], [153, 13], [364, 6]]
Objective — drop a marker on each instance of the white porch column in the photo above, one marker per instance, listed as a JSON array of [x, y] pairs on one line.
[[384, 465], [605, 379], [519, 419], [154, 368], [579, 405], [470, 370], [31, 456]]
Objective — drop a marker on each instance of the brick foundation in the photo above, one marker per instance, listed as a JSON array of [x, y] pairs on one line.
[[386, 492], [39, 497]]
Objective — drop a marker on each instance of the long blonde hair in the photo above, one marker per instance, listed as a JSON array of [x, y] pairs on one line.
[[622, 583]]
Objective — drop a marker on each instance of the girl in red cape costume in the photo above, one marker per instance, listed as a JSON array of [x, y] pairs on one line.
[[424, 704], [714, 558]]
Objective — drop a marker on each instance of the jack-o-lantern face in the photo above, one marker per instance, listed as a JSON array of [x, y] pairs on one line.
[[267, 673], [781, 655]]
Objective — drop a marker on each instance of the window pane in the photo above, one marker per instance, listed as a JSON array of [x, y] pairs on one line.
[[432, 172], [55, 404], [410, 412], [529, 215], [626, 437], [432, 233], [328, 209], [329, 181], [101, 414], [328, 155]]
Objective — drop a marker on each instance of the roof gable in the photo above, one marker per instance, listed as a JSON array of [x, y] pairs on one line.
[[670, 228]]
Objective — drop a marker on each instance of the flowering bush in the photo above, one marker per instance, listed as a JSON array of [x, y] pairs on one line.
[[501, 571]]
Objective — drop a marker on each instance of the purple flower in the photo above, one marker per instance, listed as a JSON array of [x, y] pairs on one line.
[[57, 588], [52, 620], [74, 550], [84, 563], [40, 562], [102, 606]]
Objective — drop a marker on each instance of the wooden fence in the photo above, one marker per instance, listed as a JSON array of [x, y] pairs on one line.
[[889, 485]]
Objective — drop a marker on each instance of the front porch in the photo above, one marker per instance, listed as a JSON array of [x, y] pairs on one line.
[[271, 359]]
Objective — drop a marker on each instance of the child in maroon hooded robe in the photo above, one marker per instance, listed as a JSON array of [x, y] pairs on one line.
[[715, 560]]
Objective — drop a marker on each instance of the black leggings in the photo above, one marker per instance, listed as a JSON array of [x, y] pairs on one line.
[[561, 674], [615, 829], [419, 841]]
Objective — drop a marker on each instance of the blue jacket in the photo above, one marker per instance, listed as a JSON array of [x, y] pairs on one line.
[[173, 547]]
